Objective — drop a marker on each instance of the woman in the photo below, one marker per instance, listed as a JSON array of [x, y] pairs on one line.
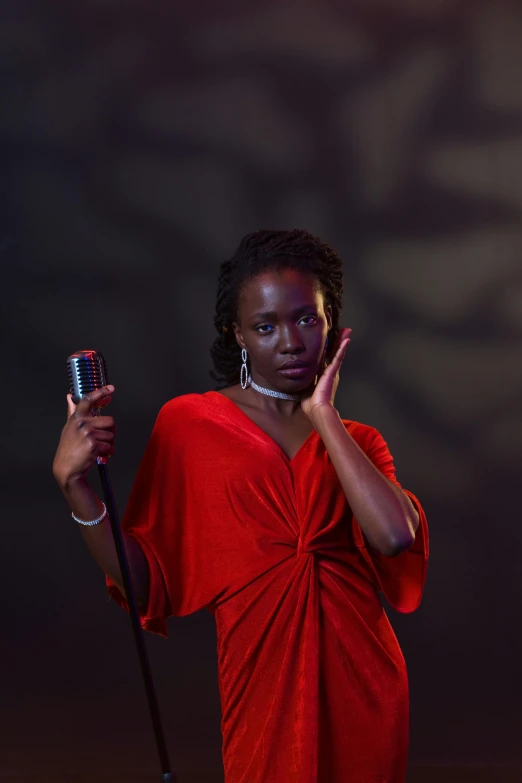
[[259, 503]]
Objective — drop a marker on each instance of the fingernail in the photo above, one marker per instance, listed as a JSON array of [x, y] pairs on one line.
[[110, 388]]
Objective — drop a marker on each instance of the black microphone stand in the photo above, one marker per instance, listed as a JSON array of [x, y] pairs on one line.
[[167, 775]]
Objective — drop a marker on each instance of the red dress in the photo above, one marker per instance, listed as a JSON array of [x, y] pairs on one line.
[[312, 680]]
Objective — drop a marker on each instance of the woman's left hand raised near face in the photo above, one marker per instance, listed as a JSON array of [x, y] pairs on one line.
[[324, 392]]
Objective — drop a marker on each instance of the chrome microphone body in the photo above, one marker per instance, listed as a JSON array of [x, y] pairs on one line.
[[87, 372]]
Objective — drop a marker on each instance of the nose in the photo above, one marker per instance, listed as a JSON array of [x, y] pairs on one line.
[[290, 340]]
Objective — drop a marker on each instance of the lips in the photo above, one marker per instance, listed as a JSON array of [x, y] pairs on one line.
[[293, 365]]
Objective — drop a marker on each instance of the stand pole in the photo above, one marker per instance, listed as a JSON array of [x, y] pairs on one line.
[[167, 775]]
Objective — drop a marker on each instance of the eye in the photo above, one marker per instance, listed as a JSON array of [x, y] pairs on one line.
[[261, 326]]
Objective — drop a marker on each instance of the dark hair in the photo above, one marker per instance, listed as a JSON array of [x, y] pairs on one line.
[[258, 252]]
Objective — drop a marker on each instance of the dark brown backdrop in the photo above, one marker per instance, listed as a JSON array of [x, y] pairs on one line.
[[141, 141]]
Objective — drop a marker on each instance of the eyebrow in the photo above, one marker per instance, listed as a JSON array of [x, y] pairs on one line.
[[272, 314]]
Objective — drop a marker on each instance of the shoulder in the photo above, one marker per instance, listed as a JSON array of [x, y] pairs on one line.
[[177, 422], [364, 435], [185, 409], [185, 403]]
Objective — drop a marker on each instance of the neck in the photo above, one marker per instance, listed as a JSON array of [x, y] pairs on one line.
[[264, 396]]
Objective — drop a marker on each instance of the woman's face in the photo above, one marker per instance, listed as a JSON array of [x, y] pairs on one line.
[[282, 317]]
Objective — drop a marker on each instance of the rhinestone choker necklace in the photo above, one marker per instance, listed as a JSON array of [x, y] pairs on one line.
[[271, 393]]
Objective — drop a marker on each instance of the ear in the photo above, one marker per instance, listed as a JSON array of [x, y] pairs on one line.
[[238, 335], [328, 313]]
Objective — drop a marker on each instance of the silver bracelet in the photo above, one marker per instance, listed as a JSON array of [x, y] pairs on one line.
[[94, 521]]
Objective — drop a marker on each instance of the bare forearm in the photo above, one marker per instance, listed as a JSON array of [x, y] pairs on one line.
[[384, 512], [85, 504]]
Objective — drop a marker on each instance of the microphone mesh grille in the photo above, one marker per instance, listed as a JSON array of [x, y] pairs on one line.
[[87, 371]]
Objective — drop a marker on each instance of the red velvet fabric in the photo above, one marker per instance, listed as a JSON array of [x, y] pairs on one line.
[[312, 680]]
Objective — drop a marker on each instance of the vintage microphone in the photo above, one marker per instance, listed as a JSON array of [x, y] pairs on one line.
[[88, 372]]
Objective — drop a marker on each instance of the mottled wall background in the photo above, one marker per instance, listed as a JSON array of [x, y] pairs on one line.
[[141, 141]]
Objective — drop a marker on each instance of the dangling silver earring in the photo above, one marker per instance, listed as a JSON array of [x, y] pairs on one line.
[[244, 369]]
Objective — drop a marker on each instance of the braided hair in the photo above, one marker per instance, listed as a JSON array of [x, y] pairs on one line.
[[258, 252]]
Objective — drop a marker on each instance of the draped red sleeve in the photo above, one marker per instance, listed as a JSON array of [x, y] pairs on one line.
[[401, 579], [165, 514]]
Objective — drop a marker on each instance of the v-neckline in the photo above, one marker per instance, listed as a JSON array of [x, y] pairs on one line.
[[262, 431]]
